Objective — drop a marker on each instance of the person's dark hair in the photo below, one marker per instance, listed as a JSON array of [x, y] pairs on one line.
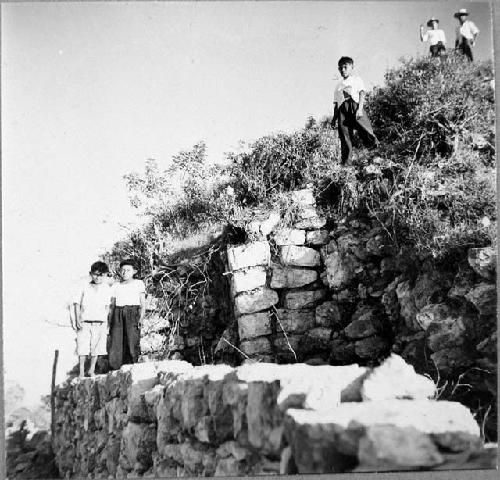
[[99, 267], [128, 261], [344, 60]]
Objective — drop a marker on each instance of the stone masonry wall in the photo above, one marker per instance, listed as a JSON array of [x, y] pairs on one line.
[[169, 418]]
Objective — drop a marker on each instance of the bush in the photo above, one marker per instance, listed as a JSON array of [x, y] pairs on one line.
[[427, 105]]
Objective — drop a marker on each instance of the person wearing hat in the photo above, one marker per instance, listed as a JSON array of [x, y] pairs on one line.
[[466, 33], [435, 36]]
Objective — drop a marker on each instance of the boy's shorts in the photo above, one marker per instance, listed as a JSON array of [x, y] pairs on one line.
[[91, 339]]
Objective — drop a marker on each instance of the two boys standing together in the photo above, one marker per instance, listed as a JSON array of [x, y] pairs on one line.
[[117, 312]]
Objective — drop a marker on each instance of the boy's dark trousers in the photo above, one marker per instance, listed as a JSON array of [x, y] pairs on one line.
[[347, 122], [124, 342]]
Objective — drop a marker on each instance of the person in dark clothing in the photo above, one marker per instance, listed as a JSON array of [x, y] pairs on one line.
[[128, 306], [349, 114]]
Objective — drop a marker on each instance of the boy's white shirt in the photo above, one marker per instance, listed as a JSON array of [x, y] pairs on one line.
[[352, 85], [434, 36], [94, 300], [467, 30], [128, 293]]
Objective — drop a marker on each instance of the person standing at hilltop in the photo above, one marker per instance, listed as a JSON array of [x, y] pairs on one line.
[[91, 310], [435, 36], [349, 114], [466, 33], [128, 307]]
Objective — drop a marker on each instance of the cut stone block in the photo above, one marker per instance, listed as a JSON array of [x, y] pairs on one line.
[[256, 346], [338, 439], [283, 343], [254, 325], [290, 236], [255, 301], [303, 197], [264, 226], [303, 299], [285, 277], [395, 378], [317, 237], [249, 255], [246, 280], [311, 223], [294, 321], [296, 256]]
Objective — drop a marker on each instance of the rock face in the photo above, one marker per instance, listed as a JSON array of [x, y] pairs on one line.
[[172, 419]]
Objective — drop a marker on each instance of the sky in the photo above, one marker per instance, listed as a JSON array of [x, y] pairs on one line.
[[90, 91]]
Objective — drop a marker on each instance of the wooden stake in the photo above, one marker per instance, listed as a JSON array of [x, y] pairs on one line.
[[53, 397]]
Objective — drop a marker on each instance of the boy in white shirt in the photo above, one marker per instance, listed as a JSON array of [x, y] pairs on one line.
[[435, 36], [128, 306], [348, 101], [466, 33], [91, 310]]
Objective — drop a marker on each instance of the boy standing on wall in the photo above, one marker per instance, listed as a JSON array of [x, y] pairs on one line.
[[466, 33], [91, 309], [128, 306], [349, 100]]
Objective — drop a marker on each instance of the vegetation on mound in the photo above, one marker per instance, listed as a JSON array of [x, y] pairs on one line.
[[431, 184]]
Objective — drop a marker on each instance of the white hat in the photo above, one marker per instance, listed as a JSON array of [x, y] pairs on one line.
[[462, 11]]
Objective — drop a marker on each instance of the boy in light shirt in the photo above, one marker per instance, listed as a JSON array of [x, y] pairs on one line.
[[349, 100], [435, 36], [466, 33], [91, 310], [128, 306]]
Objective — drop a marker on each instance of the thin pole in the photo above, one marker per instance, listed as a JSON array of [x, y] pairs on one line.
[[53, 396]]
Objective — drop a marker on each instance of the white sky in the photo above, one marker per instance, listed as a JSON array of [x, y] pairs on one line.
[[91, 90]]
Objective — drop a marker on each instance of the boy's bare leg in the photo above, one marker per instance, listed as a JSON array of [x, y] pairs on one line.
[[82, 365], [93, 361]]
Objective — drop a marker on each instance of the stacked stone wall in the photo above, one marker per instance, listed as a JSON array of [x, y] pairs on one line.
[[168, 419]]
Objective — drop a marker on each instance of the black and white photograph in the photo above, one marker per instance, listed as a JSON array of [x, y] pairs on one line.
[[249, 238]]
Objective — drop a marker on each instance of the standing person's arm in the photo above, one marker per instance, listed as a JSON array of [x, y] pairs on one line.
[[423, 37], [142, 299], [474, 31], [111, 310], [361, 105], [78, 310], [335, 114]]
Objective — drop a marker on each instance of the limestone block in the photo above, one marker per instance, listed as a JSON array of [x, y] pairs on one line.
[[286, 277], [304, 197], [371, 347], [246, 280], [256, 346], [228, 467], [262, 227], [287, 344], [290, 236], [296, 256], [484, 298], [386, 448], [483, 261], [137, 443], [294, 321], [341, 269], [231, 448], [337, 439], [255, 301], [312, 222], [365, 324], [254, 325], [316, 340], [328, 315], [248, 255], [303, 299], [204, 430], [317, 237], [395, 378]]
